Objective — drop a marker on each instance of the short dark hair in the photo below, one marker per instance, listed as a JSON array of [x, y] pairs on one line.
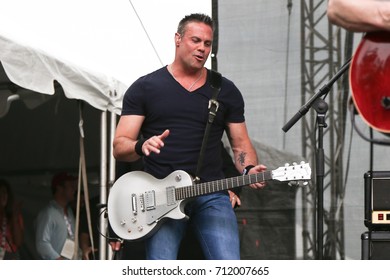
[[59, 179], [194, 18]]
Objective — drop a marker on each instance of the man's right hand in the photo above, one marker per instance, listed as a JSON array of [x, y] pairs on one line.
[[154, 143]]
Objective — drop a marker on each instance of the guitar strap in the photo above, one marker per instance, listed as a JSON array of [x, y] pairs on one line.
[[215, 81]]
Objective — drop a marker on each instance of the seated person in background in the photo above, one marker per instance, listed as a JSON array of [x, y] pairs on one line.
[[11, 223], [55, 224]]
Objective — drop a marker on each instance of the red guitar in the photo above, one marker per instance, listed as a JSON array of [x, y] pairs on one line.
[[369, 79]]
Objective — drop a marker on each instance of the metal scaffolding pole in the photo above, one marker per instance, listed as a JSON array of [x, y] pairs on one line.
[[320, 60]]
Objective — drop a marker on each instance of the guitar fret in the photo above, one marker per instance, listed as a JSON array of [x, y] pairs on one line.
[[231, 183], [177, 196], [180, 194]]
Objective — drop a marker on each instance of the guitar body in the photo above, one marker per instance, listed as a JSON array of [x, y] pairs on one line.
[[369, 79], [138, 201]]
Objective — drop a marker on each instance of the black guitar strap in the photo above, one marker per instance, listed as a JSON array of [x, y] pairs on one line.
[[215, 81]]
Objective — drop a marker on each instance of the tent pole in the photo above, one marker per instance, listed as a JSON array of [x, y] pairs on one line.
[[103, 183], [111, 171]]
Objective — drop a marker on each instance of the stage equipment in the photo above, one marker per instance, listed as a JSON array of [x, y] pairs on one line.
[[376, 245], [377, 200]]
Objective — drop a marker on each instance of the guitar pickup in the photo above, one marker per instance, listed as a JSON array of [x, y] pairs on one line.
[[171, 199], [142, 204], [134, 204], [150, 200]]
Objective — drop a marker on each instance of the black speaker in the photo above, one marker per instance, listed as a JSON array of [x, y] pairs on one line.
[[377, 200], [376, 245]]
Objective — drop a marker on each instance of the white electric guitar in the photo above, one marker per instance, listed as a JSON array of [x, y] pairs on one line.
[[138, 202]]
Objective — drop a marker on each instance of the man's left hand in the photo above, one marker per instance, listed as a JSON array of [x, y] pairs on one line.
[[258, 169], [234, 199]]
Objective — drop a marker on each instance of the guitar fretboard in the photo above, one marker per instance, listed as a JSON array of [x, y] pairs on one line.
[[220, 185]]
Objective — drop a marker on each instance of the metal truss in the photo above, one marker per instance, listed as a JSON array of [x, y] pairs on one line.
[[321, 59]]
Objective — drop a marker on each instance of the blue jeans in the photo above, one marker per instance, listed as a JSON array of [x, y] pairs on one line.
[[214, 224]]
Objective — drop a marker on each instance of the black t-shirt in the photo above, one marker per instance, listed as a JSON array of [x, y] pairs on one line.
[[167, 105]]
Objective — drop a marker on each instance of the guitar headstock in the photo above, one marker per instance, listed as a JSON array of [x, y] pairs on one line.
[[294, 172]]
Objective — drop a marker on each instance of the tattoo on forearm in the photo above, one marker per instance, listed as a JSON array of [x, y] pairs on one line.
[[241, 158]]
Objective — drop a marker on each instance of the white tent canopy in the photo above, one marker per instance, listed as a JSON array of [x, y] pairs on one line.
[[35, 70]]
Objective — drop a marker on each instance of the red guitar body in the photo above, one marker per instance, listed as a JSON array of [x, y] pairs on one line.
[[369, 79]]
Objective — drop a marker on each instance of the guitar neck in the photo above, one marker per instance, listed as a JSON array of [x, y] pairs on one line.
[[220, 185]]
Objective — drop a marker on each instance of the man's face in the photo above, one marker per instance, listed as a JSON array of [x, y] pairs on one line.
[[194, 46]]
